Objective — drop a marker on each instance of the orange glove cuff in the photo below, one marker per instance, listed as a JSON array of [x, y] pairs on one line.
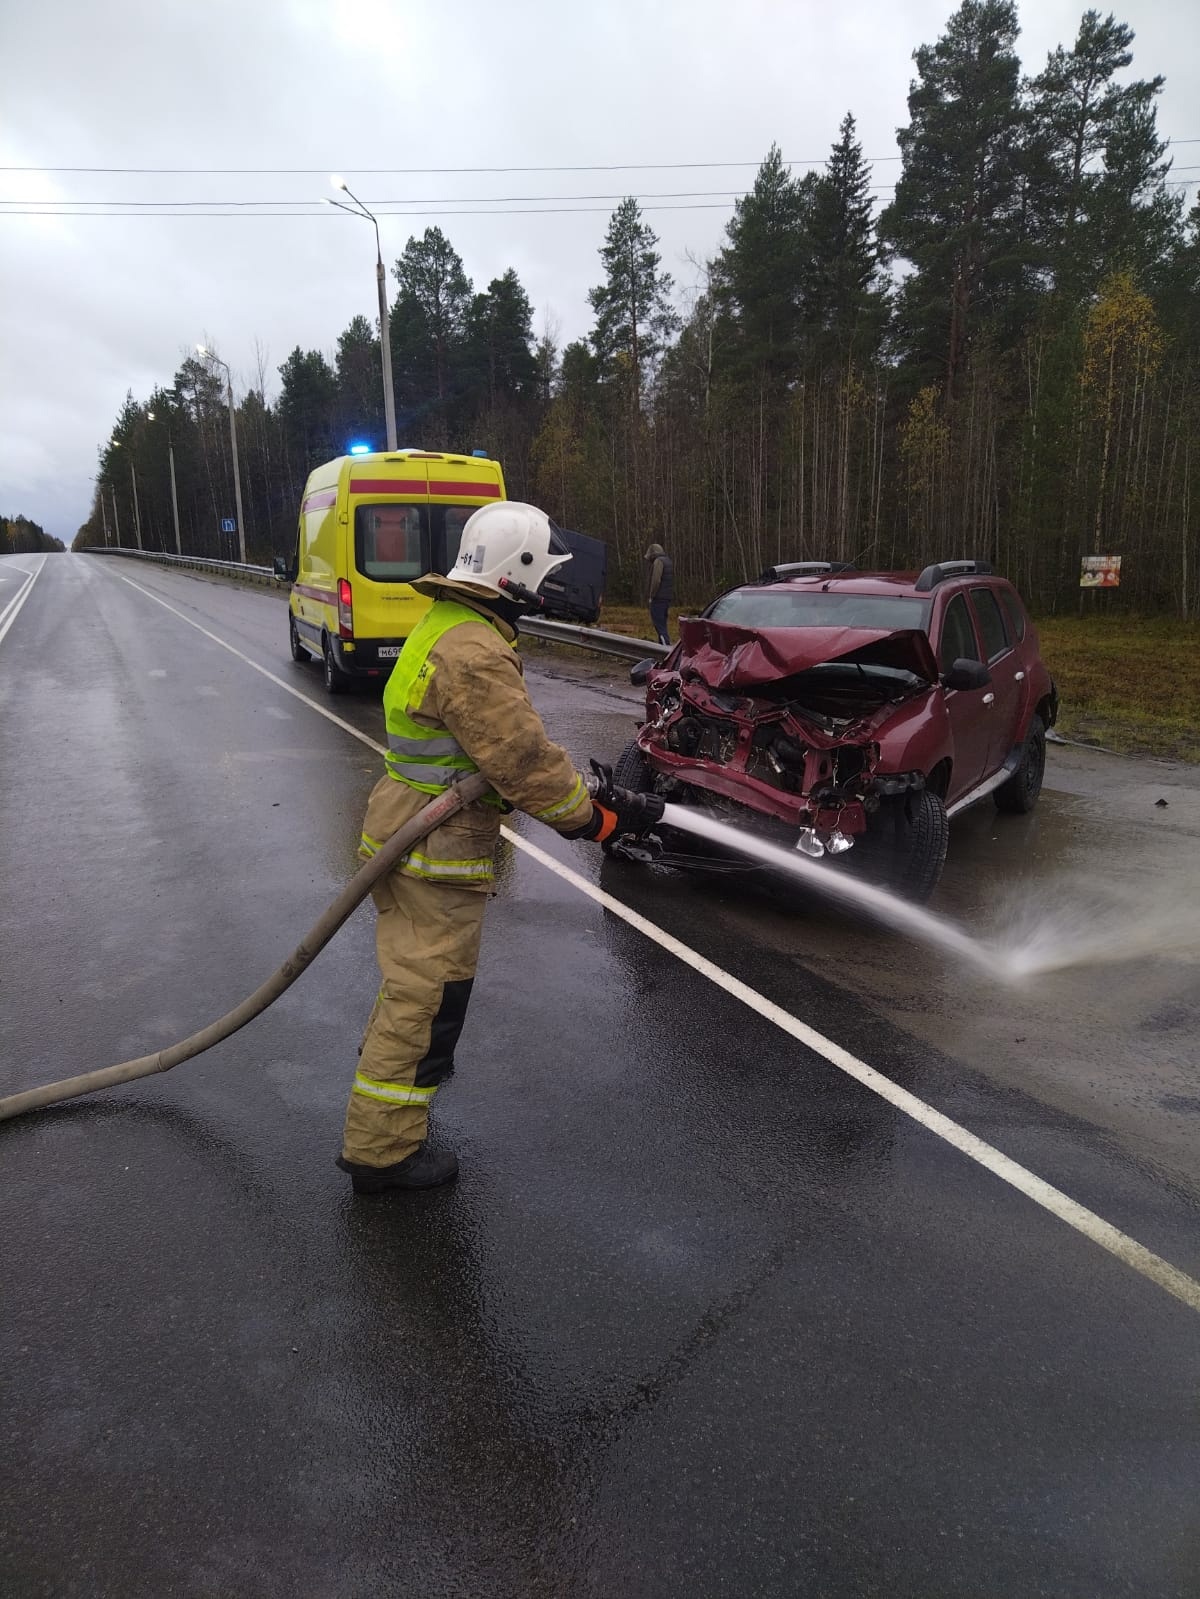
[[608, 823]]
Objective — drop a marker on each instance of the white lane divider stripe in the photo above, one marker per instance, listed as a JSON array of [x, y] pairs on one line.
[[287, 688], [1085, 1221], [13, 609]]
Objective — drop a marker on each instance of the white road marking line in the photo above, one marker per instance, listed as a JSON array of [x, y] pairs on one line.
[[12, 610], [270, 676], [1094, 1227]]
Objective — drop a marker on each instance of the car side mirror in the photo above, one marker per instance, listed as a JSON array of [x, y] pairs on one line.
[[283, 568], [638, 674], [966, 674]]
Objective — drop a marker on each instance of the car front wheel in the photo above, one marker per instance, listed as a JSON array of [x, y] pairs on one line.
[[904, 846], [1019, 795], [631, 771]]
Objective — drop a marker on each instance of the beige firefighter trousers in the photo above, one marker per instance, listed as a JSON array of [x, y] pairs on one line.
[[427, 940]]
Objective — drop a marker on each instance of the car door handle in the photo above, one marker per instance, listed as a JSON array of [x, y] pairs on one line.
[[1018, 677], [988, 699]]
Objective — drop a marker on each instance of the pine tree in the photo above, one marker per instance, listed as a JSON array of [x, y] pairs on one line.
[[633, 310], [499, 335], [307, 403], [762, 271], [846, 296], [358, 371], [429, 324], [956, 211], [1096, 160]]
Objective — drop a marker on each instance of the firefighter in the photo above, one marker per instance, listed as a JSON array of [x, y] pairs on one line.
[[456, 702]]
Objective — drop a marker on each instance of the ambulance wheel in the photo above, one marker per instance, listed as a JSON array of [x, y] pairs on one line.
[[299, 653], [336, 681]]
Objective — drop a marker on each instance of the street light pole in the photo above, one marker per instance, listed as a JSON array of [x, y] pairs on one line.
[[116, 444], [150, 417], [137, 515], [385, 336], [99, 482], [237, 477]]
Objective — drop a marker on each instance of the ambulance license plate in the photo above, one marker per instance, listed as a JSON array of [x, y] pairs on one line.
[[388, 652]]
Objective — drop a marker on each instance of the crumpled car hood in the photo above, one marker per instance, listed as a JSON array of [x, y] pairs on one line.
[[730, 657]]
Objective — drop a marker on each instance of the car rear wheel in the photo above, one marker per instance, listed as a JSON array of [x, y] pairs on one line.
[[1019, 795], [336, 681], [904, 846], [299, 653]]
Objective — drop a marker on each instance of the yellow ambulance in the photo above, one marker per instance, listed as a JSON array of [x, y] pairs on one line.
[[369, 524]]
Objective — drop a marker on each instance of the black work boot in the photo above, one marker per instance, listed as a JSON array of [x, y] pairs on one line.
[[424, 1168]]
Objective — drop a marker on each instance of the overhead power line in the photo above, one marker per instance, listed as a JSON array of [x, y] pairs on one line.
[[615, 166], [196, 209], [412, 172], [506, 211], [415, 205], [451, 199]]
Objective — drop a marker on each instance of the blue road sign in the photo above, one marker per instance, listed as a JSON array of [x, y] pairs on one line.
[[228, 525]]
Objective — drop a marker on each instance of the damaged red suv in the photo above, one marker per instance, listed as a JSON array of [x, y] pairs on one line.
[[839, 710]]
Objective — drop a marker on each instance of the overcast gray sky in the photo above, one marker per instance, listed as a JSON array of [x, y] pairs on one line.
[[93, 306]]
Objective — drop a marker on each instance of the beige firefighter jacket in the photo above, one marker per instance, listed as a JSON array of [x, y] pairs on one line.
[[477, 693]]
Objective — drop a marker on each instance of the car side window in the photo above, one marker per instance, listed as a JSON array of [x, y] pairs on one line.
[[958, 636], [1016, 613], [992, 626]]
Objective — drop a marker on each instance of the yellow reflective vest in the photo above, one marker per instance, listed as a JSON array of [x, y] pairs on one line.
[[456, 702]]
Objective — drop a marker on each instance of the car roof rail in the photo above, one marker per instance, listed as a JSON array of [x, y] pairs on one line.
[[772, 574], [940, 571]]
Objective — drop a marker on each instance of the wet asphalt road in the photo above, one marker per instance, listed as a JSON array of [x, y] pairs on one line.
[[703, 1315]]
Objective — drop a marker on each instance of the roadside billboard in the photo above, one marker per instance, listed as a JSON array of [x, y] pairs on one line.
[[1100, 572]]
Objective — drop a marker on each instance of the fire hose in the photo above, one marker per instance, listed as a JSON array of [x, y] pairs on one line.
[[310, 946]]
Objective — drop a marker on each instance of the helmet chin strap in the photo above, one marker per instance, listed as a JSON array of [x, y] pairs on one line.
[[508, 610], [523, 596]]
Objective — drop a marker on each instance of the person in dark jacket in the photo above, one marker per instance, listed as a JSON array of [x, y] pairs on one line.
[[660, 584]]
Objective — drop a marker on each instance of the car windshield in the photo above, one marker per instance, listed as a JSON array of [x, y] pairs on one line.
[[820, 608]]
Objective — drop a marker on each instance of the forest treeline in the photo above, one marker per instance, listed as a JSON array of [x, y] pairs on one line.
[[1002, 361], [20, 536]]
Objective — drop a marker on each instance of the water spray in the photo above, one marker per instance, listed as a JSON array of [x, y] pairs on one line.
[[1034, 942]]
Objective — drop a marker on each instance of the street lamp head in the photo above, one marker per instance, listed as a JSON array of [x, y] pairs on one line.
[[200, 350], [150, 416], [337, 181]]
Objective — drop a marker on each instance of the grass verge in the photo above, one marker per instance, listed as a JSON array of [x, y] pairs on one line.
[[1127, 683]]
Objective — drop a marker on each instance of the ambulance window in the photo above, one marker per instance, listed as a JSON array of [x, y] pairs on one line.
[[391, 542], [456, 520]]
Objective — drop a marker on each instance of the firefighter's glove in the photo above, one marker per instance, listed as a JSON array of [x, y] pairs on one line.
[[621, 812]]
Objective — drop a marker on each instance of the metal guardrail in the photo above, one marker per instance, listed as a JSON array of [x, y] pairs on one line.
[[593, 638], [201, 563], [538, 627]]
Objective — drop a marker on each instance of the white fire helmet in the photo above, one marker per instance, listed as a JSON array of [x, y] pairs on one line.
[[508, 540]]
